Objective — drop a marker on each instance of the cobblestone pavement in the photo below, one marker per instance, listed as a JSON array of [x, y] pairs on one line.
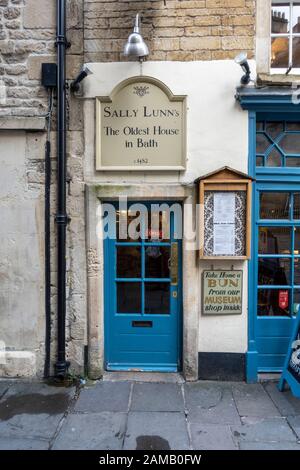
[[138, 415]]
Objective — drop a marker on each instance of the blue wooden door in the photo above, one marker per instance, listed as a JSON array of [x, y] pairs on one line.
[[143, 295], [277, 271]]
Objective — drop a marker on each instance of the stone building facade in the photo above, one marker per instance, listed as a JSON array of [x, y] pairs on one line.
[[192, 44]]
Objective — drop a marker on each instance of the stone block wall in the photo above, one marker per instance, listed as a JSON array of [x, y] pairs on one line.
[[174, 29]]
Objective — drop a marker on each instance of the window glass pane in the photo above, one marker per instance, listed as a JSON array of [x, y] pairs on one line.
[[296, 18], [275, 158], [274, 205], [290, 143], [295, 162], [273, 302], [129, 261], [128, 297], [262, 143], [297, 272], [259, 126], [274, 240], [280, 53], [157, 298], [280, 17], [296, 52], [157, 261], [273, 272], [297, 206], [297, 239]]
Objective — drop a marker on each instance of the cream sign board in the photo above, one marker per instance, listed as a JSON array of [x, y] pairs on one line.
[[141, 126], [222, 292]]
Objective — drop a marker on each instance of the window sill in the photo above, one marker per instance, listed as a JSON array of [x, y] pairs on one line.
[[277, 79]]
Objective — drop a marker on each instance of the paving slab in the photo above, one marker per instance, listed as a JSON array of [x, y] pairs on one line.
[[269, 446], [97, 431], [212, 437], [252, 400], [294, 422], [210, 403], [270, 430], [157, 397], [23, 444], [33, 410], [287, 404], [156, 431], [104, 396], [4, 386]]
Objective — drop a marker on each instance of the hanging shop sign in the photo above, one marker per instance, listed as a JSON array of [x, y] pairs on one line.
[[141, 126], [225, 228], [222, 292], [291, 370]]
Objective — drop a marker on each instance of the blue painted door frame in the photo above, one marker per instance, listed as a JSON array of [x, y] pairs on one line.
[[142, 340], [275, 179]]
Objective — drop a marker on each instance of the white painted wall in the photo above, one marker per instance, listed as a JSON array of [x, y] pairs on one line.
[[21, 262], [217, 135]]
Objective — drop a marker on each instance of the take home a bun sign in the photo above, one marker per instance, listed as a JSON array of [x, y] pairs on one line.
[[141, 126]]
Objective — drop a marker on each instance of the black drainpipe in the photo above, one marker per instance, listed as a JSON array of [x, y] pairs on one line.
[[61, 366]]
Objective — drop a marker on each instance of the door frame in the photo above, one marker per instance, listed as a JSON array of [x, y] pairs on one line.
[[97, 194]]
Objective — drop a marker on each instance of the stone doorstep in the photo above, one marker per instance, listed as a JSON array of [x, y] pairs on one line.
[[143, 377]]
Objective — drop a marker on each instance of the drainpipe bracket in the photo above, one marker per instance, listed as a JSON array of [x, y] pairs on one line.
[[62, 219]]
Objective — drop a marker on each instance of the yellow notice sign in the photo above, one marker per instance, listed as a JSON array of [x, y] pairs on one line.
[[222, 292]]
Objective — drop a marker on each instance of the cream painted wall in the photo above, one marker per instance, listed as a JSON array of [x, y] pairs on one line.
[[217, 135]]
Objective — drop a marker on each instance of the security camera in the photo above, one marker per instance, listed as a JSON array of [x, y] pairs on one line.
[[84, 72]]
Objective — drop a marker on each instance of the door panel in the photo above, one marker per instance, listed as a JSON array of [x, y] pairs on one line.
[[142, 303]]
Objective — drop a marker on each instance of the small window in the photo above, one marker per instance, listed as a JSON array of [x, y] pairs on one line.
[[285, 36]]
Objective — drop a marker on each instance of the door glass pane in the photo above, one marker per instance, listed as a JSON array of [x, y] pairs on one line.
[[274, 240], [158, 225], [273, 302], [297, 272], [292, 126], [297, 206], [129, 261], [274, 271], [274, 205], [262, 143], [280, 18], [157, 261], [259, 161], [274, 129], [129, 225], [280, 53], [157, 298], [128, 297]]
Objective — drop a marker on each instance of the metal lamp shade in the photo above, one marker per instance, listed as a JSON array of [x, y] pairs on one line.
[[136, 46]]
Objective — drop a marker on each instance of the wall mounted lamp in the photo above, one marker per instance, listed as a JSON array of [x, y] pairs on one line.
[[136, 46], [242, 60]]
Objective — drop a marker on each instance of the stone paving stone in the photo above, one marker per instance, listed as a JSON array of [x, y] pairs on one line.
[[33, 410], [269, 446], [294, 422], [211, 437], [252, 400], [270, 430], [156, 431], [287, 404], [97, 431], [210, 403], [105, 396], [157, 397], [22, 444], [4, 386]]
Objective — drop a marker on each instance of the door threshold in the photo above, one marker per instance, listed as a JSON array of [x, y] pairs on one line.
[[127, 376]]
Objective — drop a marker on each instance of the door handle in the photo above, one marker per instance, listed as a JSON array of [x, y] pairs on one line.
[[174, 264]]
